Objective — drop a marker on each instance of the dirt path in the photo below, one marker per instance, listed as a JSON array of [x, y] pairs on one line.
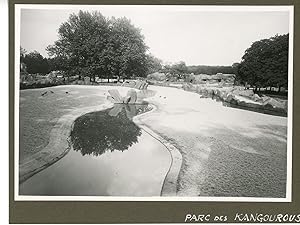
[[226, 151]]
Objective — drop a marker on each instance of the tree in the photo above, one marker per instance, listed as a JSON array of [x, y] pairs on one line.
[[265, 63], [180, 68], [175, 71], [22, 54], [23, 67], [81, 42], [57, 63], [36, 63], [235, 68], [129, 48], [153, 64], [93, 45]]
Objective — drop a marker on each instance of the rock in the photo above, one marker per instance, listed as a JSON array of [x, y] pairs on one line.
[[223, 95], [131, 96], [138, 84], [87, 80], [244, 93], [210, 91], [256, 98], [217, 92], [234, 102], [186, 87], [221, 84], [115, 95], [229, 97], [250, 105], [144, 86], [126, 99], [205, 92], [190, 87], [272, 103], [198, 89], [141, 85], [111, 99], [265, 99]]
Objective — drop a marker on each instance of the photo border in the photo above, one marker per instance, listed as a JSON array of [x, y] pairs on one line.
[[173, 203]]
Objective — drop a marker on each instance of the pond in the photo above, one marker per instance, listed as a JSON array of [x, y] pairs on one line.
[[110, 156]]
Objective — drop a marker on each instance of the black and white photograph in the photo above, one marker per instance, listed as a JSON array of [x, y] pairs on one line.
[[153, 103]]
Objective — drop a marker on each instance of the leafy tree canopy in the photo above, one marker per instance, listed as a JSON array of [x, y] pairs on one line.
[[93, 45], [265, 63], [35, 62], [153, 64]]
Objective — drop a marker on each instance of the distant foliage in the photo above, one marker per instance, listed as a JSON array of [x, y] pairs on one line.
[[22, 54], [153, 64], [175, 71], [35, 62], [181, 68], [210, 70], [92, 45], [265, 63]]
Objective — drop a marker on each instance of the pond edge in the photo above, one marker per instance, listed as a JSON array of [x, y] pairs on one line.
[[169, 187], [58, 145]]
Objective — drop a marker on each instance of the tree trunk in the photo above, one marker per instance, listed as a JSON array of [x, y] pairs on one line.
[[279, 89]]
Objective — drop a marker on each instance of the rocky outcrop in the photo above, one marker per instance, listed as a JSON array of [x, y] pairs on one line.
[[275, 104], [157, 76], [240, 97], [139, 84], [130, 98]]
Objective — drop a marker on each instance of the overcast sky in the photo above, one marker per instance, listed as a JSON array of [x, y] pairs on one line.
[[189, 34]]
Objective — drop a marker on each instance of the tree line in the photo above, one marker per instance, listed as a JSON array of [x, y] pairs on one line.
[[92, 45], [265, 63], [34, 61]]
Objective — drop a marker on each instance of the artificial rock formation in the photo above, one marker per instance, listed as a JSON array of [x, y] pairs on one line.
[[115, 97], [139, 84]]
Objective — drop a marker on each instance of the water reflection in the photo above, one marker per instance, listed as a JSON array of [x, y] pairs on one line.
[[98, 132], [139, 171]]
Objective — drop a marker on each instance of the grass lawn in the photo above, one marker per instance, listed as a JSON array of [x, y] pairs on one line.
[[39, 112]]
